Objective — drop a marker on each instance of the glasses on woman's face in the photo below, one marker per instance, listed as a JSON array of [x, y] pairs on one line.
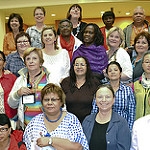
[[3, 129], [1, 59], [81, 65], [53, 100], [22, 42]]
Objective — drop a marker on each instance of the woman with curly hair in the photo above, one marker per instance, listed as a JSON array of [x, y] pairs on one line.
[[92, 48]]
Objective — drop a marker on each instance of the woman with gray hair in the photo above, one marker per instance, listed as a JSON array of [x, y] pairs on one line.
[[116, 52]]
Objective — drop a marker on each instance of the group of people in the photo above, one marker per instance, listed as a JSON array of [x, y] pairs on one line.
[[78, 87]]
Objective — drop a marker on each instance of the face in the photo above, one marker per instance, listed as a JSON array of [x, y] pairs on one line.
[[4, 133], [88, 35], [65, 29], [39, 16], [146, 64], [104, 99], [108, 21], [80, 67], [51, 103], [75, 12], [14, 24], [32, 62], [48, 37], [114, 72], [114, 40], [141, 45], [22, 44], [138, 15]]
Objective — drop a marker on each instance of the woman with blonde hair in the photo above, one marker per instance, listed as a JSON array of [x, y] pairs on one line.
[[116, 52], [25, 94]]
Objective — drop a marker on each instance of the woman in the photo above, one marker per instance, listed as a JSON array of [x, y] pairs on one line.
[[74, 14], [142, 88], [25, 94], [141, 45], [8, 139], [92, 48], [124, 103], [54, 128], [115, 41], [66, 40], [14, 61], [15, 25], [6, 84], [35, 31], [56, 60], [106, 129], [108, 19], [79, 88]]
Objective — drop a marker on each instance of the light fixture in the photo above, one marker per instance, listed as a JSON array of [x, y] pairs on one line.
[[53, 15], [6, 17], [127, 13]]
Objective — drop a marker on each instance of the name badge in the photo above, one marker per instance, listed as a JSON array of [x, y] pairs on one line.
[[28, 99]]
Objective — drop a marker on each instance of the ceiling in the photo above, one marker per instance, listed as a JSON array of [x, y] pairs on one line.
[[91, 8]]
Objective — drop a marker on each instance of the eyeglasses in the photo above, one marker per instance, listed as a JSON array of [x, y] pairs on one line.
[[1, 59], [24, 42], [53, 100], [3, 129], [67, 26], [81, 65]]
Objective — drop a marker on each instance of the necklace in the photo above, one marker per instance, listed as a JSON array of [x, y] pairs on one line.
[[52, 121], [32, 83]]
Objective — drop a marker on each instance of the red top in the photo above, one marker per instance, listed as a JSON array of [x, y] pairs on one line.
[[7, 82], [104, 35]]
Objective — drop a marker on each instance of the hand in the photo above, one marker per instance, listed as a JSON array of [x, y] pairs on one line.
[[42, 141], [7, 72], [24, 91]]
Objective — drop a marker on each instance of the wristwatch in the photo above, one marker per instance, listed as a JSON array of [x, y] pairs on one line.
[[50, 141]]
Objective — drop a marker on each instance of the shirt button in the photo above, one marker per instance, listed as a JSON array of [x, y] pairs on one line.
[[108, 142]]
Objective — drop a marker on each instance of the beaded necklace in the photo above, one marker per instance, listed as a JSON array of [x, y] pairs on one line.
[[52, 121]]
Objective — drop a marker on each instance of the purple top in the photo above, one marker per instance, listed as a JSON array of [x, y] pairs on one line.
[[96, 56]]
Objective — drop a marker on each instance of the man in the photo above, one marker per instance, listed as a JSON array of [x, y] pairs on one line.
[[108, 19], [66, 40], [138, 25]]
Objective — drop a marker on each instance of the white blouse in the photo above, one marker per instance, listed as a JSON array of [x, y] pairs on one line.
[[58, 65]]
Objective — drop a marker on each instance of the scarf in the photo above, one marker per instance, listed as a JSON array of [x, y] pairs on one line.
[[68, 46], [145, 83], [96, 56]]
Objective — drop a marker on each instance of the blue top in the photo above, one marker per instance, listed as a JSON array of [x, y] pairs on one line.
[[69, 128], [118, 136], [14, 63], [124, 105]]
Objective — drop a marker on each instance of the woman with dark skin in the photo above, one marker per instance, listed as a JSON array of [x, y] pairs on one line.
[[92, 48]]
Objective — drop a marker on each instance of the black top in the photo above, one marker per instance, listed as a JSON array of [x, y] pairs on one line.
[[79, 101], [98, 137], [78, 29]]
